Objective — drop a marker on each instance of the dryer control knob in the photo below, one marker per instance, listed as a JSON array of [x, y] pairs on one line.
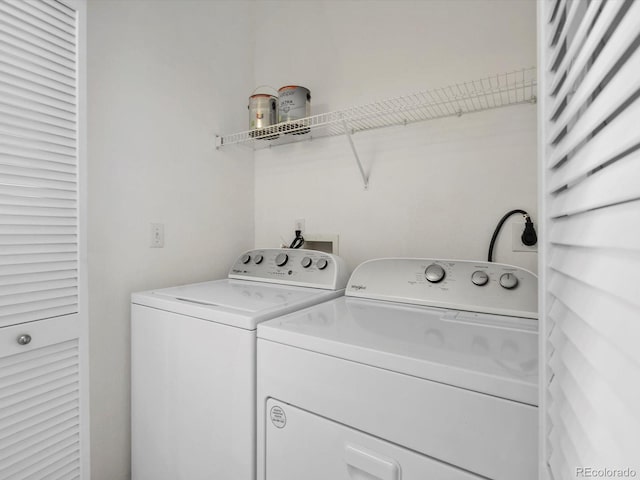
[[245, 259], [282, 259], [322, 263], [434, 273], [479, 278], [508, 281], [258, 259], [306, 262]]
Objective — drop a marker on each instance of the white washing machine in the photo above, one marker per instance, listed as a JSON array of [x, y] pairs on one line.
[[193, 360], [425, 369]]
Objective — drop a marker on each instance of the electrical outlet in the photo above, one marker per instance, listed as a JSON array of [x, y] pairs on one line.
[[298, 224], [516, 241], [157, 235]]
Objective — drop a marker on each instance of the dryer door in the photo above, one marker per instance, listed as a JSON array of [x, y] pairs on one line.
[[300, 444]]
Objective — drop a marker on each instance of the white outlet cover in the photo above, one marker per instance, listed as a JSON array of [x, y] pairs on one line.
[[157, 235], [516, 241]]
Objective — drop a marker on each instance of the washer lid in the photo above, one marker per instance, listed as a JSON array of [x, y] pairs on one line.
[[491, 354], [237, 303]]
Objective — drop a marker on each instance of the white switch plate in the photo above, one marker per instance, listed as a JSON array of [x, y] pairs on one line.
[[298, 224], [516, 241], [157, 235]]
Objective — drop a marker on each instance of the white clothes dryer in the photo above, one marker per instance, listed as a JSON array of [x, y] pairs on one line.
[[193, 362], [425, 369]]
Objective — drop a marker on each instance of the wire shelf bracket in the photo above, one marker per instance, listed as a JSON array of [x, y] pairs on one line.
[[365, 177], [496, 91]]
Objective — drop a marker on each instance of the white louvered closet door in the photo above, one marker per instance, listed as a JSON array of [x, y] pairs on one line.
[[589, 64], [41, 323]]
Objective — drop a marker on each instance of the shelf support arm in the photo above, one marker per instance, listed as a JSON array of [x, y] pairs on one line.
[[347, 132]]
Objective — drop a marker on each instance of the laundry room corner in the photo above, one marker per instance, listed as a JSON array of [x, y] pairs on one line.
[[319, 239], [435, 188], [161, 83]]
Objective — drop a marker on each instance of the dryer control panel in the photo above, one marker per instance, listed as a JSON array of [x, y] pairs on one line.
[[473, 286], [290, 266]]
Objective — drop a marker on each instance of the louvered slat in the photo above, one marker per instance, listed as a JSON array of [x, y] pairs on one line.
[[609, 271], [64, 469], [557, 22], [35, 144], [611, 143], [577, 65], [615, 184], [35, 202], [605, 360], [590, 254], [67, 179], [35, 101], [25, 154], [19, 66], [573, 12], [591, 305], [576, 43], [34, 127], [34, 268], [59, 9], [43, 193], [32, 131], [29, 211], [619, 88], [46, 456], [38, 121], [43, 24], [37, 110], [603, 228], [61, 421], [40, 419], [38, 310], [39, 403], [18, 239]]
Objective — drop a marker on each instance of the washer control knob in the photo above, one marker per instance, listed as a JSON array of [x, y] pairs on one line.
[[434, 273], [258, 259], [282, 259], [322, 263], [479, 278], [306, 262], [245, 258], [508, 281]]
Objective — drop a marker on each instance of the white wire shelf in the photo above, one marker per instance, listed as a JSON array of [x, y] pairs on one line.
[[491, 92]]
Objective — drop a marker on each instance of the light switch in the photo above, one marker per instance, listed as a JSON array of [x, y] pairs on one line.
[[157, 235]]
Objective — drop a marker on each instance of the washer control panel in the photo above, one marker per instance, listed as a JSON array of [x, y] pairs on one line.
[[288, 266], [484, 287]]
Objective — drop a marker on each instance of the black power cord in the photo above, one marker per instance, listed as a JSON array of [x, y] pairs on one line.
[[298, 241], [528, 237]]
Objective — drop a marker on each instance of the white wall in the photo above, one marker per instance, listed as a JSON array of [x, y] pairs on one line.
[[437, 188], [163, 78]]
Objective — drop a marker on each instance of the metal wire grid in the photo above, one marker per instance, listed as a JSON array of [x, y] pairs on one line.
[[496, 91]]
